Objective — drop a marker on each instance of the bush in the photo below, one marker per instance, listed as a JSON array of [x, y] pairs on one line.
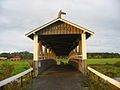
[[117, 64], [6, 70]]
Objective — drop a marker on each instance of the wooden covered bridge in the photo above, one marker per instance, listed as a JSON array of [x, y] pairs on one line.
[[60, 37]]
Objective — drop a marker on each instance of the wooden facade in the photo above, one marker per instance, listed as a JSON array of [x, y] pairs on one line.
[[59, 28]]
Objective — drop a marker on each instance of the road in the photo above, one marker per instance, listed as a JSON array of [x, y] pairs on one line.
[[60, 77]]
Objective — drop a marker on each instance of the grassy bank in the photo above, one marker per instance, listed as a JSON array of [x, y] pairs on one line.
[[19, 66], [109, 67], [109, 70], [103, 61], [10, 68]]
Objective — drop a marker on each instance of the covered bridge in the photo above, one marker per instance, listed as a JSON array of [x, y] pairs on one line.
[[59, 37]]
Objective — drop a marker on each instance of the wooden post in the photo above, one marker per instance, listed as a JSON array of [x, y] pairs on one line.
[[21, 81], [80, 47], [76, 50], [53, 56], [51, 53], [83, 45], [36, 54], [41, 49], [82, 51], [48, 53], [45, 52]]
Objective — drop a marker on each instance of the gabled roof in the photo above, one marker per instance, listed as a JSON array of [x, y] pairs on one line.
[[59, 19]]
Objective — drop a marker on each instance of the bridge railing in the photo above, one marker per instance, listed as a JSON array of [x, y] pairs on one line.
[[102, 81], [16, 79]]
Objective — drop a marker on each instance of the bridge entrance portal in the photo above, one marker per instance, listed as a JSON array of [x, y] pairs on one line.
[[60, 38]]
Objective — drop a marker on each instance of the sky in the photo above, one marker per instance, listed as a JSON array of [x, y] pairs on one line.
[[17, 17]]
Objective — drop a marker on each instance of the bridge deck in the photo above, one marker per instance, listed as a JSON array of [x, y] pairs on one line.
[[60, 77]]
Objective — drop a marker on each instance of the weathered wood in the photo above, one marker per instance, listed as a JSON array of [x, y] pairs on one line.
[[41, 49], [60, 28], [45, 52], [36, 68]]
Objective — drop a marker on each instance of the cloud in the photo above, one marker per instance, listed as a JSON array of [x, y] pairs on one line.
[[18, 17]]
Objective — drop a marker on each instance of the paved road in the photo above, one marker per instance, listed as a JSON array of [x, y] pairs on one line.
[[60, 77]]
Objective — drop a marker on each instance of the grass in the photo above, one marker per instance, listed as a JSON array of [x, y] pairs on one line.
[[109, 66], [19, 66], [95, 61], [62, 61], [106, 66], [109, 70], [103, 61], [10, 68]]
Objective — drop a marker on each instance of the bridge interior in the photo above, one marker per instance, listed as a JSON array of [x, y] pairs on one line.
[[61, 44]]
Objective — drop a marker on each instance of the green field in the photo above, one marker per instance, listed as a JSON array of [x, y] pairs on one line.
[[10, 68], [19, 66], [103, 61], [109, 67]]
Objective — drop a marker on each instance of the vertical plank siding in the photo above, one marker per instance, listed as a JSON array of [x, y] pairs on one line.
[[60, 28]]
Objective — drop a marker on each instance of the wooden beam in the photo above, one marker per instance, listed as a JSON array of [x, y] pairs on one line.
[[80, 47], [36, 46], [83, 45], [45, 52], [36, 54], [41, 49]]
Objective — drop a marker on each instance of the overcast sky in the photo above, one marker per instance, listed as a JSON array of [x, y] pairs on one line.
[[17, 17]]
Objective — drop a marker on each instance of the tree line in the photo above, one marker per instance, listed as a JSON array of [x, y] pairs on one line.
[[29, 56], [23, 55], [103, 55]]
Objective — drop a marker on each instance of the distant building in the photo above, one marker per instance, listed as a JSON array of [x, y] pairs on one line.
[[3, 58], [17, 58]]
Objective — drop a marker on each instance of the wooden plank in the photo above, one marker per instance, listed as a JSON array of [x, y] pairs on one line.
[[60, 28]]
